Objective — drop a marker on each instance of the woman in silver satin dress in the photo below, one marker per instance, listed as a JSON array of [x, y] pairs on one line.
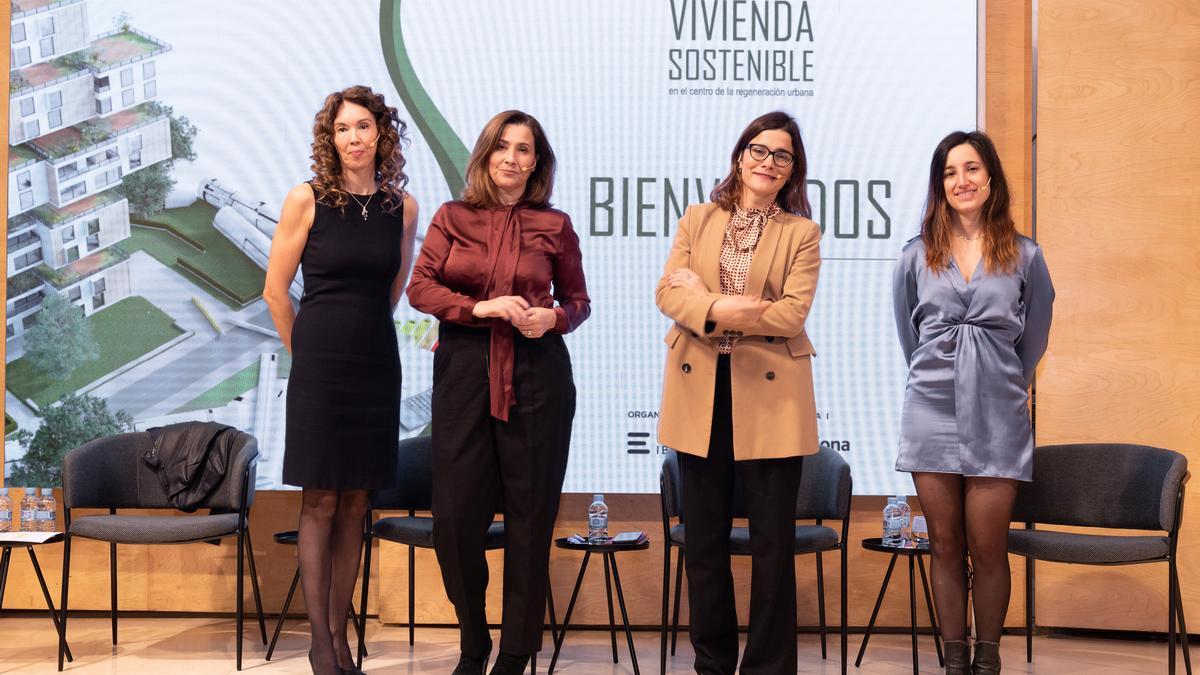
[[973, 301]]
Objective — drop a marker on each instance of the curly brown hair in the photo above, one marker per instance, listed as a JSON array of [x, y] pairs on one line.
[[389, 161]]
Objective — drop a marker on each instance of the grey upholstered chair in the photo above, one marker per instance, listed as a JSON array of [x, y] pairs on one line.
[[1105, 485], [825, 490], [109, 473], [412, 491]]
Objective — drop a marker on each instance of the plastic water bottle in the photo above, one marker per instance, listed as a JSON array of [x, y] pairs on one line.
[[893, 523], [47, 511], [906, 525], [6, 512], [29, 510], [598, 521]]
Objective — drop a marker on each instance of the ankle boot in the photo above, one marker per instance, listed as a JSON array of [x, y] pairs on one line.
[[510, 664], [958, 657], [470, 665], [987, 658]]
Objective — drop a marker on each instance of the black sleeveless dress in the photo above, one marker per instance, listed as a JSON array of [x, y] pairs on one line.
[[343, 399]]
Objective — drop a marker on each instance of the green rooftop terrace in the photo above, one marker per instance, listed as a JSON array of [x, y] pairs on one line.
[[42, 73], [53, 216], [82, 268], [119, 47], [84, 135], [23, 283], [20, 155]]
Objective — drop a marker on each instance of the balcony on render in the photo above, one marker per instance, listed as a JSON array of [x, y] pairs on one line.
[[87, 137], [42, 75], [21, 156], [122, 47], [20, 224], [22, 234], [57, 216], [22, 7], [22, 284], [81, 269]]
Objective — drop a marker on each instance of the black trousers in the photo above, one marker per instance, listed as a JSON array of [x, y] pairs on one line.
[[768, 488], [481, 464]]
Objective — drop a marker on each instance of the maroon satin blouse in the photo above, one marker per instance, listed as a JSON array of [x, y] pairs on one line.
[[473, 254]]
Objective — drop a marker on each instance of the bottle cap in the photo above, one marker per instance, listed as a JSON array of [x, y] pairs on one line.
[[597, 497], [3, 491], [47, 492], [891, 501], [901, 498]]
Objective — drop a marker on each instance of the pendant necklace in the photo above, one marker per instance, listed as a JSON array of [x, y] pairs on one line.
[[362, 204]]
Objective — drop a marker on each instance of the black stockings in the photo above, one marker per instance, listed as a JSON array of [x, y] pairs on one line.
[[968, 514], [331, 539]]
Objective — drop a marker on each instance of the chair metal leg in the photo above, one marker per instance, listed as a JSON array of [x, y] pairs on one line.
[[412, 595], [5, 555], [66, 579], [875, 612], [362, 603], [821, 601], [1029, 609], [358, 628], [1183, 632], [262, 622], [678, 592], [845, 618], [1173, 592], [666, 588], [612, 628], [46, 594], [287, 604], [241, 590], [112, 588], [533, 664], [933, 626]]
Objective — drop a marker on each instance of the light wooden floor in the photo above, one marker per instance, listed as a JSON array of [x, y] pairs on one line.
[[180, 646]]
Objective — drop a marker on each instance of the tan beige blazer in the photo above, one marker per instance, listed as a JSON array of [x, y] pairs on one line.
[[771, 371]]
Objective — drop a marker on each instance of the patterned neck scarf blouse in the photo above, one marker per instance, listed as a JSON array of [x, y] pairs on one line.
[[737, 252]]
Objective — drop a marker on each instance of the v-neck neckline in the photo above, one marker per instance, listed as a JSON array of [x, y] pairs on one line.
[[958, 270]]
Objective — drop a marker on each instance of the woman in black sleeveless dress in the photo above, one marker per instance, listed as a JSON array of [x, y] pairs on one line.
[[352, 229]]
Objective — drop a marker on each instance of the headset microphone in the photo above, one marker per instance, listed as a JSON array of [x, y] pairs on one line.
[[985, 185], [527, 169], [372, 143]]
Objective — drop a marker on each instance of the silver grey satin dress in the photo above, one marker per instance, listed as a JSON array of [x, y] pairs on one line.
[[971, 349]]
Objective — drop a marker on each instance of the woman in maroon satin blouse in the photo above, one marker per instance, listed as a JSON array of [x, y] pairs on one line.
[[503, 274]]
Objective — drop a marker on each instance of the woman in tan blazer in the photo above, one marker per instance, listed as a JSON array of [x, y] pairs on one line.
[[738, 394]]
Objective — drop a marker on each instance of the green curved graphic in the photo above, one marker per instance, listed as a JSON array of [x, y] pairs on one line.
[[448, 149]]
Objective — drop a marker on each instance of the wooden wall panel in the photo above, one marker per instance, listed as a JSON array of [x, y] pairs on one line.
[[1008, 115], [1118, 176]]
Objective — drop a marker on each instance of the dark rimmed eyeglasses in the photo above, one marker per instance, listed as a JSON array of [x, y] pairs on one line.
[[781, 158]]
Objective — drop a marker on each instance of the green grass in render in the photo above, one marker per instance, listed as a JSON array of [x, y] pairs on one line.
[[232, 387], [221, 260], [235, 385], [125, 331]]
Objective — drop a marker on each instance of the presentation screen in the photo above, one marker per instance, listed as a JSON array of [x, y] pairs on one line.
[[152, 144]]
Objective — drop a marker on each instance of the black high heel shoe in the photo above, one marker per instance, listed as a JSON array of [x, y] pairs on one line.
[[510, 664]]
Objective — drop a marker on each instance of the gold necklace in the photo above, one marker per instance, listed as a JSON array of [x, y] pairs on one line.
[[965, 237]]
